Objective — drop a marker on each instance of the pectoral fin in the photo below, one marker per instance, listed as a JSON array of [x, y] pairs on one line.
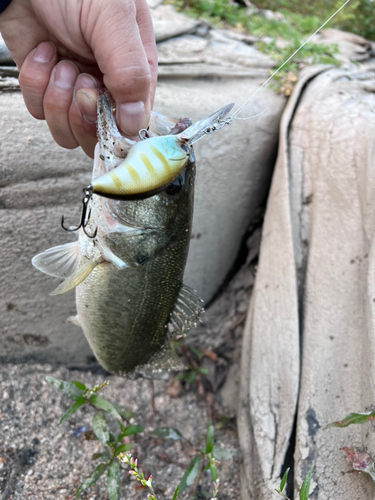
[[60, 261], [109, 256], [77, 277]]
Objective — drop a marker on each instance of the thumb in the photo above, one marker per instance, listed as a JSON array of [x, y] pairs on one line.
[[124, 47]]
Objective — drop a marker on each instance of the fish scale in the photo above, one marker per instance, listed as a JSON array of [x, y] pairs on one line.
[[125, 321], [124, 313]]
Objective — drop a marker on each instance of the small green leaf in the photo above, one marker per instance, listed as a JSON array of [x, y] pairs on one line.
[[305, 488], [353, 418], [100, 428], [213, 472], [66, 388], [106, 456], [180, 376], [190, 474], [203, 371], [176, 492], [79, 385], [126, 414], [196, 352], [223, 453], [168, 433], [113, 480], [91, 479], [79, 402], [105, 405], [123, 448], [209, 438], [190, 377], [130, 430], [284, 479]]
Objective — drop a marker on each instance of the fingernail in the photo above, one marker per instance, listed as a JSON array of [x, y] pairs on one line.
[[132, 117], [85, 81], [44, 53], [87, 105], [65, 75]]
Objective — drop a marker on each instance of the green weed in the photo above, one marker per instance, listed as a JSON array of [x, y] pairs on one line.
[[305, 488], [300, 20], [116, 455]]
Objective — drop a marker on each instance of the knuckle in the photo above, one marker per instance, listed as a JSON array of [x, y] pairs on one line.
[[133, 81]]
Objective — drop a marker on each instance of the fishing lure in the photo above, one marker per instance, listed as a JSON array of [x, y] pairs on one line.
[[149, 165]]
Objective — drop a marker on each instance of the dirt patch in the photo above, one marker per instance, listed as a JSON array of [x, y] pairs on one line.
[[51, 460]]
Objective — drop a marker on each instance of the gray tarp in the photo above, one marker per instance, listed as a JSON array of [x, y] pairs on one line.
[[309, 338]]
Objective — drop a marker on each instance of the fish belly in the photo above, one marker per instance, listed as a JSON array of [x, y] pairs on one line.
[[124, 313]]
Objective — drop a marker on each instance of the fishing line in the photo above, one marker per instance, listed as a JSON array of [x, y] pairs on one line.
[[253, 116], [233, 117]]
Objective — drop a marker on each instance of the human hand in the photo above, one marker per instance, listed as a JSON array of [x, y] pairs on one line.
[[66, 49]]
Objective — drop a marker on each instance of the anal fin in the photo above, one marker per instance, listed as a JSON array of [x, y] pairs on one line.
[[160, 365], [186, 312], [77, 277]]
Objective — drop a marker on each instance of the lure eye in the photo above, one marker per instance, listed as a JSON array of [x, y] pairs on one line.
[[176, 186], [185, 148]]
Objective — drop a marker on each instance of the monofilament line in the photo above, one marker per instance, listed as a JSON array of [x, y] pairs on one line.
[[284, 63]]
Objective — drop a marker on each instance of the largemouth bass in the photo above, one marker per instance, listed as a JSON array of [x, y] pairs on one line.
[[128, 278]]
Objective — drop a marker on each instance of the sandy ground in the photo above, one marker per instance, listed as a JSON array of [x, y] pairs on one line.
[[52, 459], [40, 459]]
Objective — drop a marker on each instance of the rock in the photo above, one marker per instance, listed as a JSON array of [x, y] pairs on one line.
[[4, 53], [229, 392], [270, 15], [315, 282], [351, 47], [168, 23]]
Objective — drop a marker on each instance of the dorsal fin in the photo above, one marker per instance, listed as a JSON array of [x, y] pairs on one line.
[[186, 312]]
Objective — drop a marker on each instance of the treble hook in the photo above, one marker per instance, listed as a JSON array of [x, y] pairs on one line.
[[83, 223]]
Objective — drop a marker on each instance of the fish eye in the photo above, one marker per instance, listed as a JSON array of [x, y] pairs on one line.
[[176, 186], [185, 147]]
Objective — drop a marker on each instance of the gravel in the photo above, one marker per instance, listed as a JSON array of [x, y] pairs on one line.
[[51, 460]]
